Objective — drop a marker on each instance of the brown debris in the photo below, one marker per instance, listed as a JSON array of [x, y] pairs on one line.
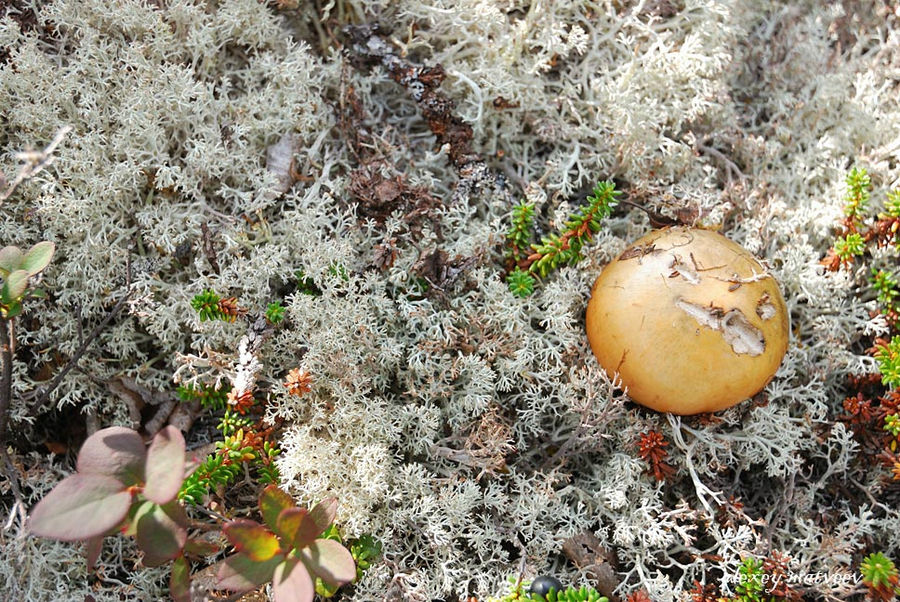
[[440, 271], [599, 564], [368, 48], [378, 196]]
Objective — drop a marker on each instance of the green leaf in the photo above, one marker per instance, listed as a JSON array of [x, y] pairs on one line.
[[292, 582], [10, 260], [252, 539], [82, 506], [239, 573], [38, 257], [115, 452], [165, 466], [13, 310], [180, 580], [272, 501], [14, 286], [161, 532], [297, 528], [330, 561]]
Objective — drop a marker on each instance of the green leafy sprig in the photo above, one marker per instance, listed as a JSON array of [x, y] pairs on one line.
[[880, 575], [555, 250]]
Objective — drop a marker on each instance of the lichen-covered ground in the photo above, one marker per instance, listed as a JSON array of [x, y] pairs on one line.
[[468, 429]]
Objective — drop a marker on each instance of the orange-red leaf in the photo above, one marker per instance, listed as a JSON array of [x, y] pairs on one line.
[[252, 539], [272, 501]]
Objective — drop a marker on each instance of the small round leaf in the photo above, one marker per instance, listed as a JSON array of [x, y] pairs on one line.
[[238, 573], [272, 501], [292, 583], [14, 286], [38, 257], [10, 259], [330, 561], [114, 452], [82, 506], [252, 539], [165, 466], [160, 532], [180, 581]]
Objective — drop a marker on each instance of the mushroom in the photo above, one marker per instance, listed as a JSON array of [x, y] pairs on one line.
[[689, 320]]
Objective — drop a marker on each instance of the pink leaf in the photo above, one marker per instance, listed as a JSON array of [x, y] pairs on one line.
[[114, 452], [161, 532], [165, 466], [238, 573], [292, 582], [297, 528], [330, 561], [82, 506], [323, 513], [92, 548]]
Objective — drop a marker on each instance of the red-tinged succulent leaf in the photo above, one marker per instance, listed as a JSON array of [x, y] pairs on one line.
[[199, 547], [330, 561], [296, 528], [252, 539], [114, 452], [92, 547], [272, 501], [180, 580], [292, 582], [80, 507], [323, 513], [238, 573], [38, 257], [161, 533], [165, 466]]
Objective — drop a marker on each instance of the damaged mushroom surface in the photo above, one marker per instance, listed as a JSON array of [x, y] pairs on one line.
[[690, 321]]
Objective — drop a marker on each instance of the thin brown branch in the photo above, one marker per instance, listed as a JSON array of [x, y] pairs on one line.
[[43, 393], [33, 162]]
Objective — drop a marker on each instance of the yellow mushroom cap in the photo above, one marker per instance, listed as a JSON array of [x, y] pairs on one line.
[[689, 320]]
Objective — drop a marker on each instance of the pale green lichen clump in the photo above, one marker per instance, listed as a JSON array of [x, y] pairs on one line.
[[436, 416]]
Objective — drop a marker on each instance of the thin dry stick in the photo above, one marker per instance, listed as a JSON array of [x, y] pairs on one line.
[[33, 162], [6, 468], [44, 392]]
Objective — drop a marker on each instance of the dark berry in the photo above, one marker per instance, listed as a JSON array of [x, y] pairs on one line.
[[543, 584]]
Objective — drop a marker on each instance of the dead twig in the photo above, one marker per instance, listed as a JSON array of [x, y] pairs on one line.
[[42, 394], [33, 162]]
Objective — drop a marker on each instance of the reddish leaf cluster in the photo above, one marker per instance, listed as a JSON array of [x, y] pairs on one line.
[[241, 402], [652, 449], [286, 550], [230, 309], [298, 382], [122, 485], [776, 567], [640, 595], [705, 593]]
